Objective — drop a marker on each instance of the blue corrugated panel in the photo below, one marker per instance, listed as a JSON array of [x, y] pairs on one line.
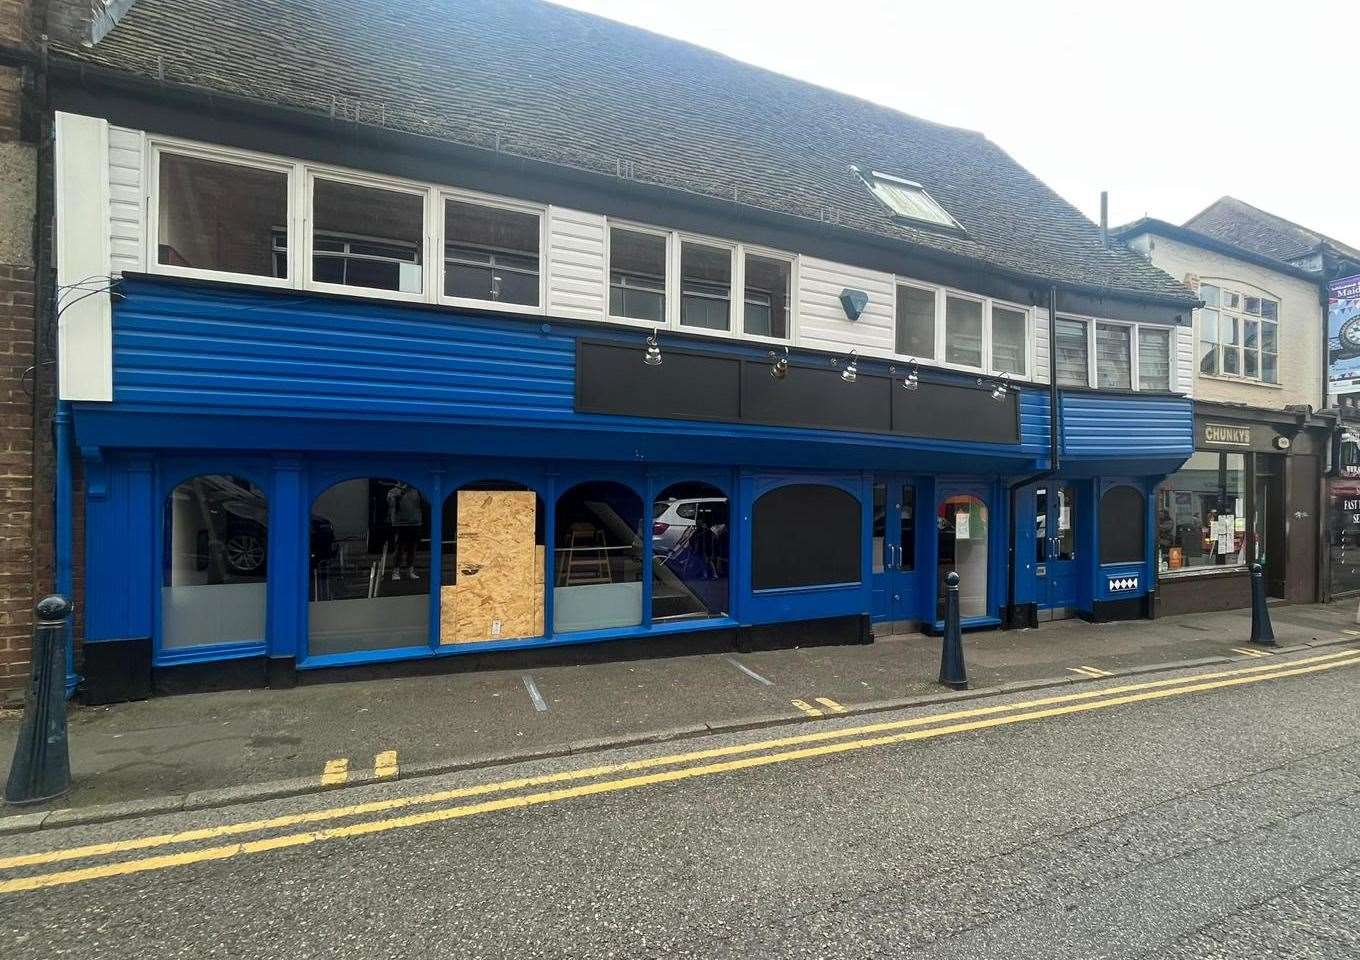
[[180, 345], [1105, 425], [1034, 419]]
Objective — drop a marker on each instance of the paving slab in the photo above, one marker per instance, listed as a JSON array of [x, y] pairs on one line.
[[217, 748]]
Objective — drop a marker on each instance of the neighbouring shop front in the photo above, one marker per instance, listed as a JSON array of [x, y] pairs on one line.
[[1249, 493], [1343, 515]]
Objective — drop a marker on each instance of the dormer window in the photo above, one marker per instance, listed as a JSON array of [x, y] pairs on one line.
[[907, 199]]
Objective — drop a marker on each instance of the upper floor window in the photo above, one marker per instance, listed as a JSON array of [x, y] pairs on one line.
[[637, 275], [1111, 355], [971, 329], [705, 286], [1239, 334], [768, 297], [491, 252], [221, 216], [908, 200], [367, 236]]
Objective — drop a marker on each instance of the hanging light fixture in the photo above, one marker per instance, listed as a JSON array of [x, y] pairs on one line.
[[1000, 387], [912, 381], [780, 369], [652, 357], [851, 372]]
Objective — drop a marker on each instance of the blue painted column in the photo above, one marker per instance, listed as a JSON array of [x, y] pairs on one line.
[[288, 563], [63, 539]]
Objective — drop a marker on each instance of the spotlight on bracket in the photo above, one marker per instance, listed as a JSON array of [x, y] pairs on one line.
[[912, 381], [780, 369], [999, 387], [851, 372], [652, 357]]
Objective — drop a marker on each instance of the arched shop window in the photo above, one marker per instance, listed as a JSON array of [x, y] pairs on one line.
[[598, 556], [492, 564], [370, 567], [805, 535], [690, 539], [963, 532], [1123, 526], [216, 543]]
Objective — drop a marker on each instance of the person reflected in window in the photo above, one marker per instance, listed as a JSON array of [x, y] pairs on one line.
[[404, 516]]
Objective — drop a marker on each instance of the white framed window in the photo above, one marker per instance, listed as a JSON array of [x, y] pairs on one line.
[[707, 280], [1072, 348], [638, 261], [492, 252], [1010, 339], [768, 281], [916, 320], [963, 330], [1113, 354], [220, 214], [366, 235], [907, 200], [1239, 334], [1154, 358]]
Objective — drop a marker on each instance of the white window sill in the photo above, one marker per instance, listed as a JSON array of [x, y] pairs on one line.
[[1189, 573], [1242, 381]]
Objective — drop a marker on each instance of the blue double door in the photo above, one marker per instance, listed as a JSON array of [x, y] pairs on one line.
[[895, 531], [1055, 550]]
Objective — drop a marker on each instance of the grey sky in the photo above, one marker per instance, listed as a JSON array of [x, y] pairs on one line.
[[1166, 105]]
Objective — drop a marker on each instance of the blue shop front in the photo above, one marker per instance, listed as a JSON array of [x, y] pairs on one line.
[[287, 481]]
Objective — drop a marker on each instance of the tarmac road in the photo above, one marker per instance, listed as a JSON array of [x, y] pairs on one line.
[[1208, 813]]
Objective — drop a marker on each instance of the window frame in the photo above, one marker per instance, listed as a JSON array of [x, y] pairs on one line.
[[1228, 288], [937, 327], [942, 328], [669, 282], [1028, 342], [427, 193], [675, 307], [157, 146], [743, 250], [1092, 378], [949, 224], [444, 194]]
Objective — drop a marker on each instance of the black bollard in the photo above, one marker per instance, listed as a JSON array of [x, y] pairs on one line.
[[1261, 631], [41, 769], [952, 671]]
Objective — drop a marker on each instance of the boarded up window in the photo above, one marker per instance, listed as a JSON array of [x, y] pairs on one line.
[[1122, 524], [805, 535]]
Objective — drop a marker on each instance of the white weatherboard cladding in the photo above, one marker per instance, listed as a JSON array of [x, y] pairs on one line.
[[577, 283], [127, 200], [822, 323], [1041, 345], [85, 327], [1184, 361]]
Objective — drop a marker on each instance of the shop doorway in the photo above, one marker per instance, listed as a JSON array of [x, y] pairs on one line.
[[1055, 545], [1269, 525], [964, 527], [894, 549]]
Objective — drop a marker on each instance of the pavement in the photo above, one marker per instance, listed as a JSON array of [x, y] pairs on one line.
[[1209, 812], [211, 749]]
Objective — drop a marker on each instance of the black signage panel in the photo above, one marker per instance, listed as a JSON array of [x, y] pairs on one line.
[[956, 413], [809, 397], [613, 379]]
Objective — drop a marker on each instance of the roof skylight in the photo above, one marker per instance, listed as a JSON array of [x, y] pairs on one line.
[[907, 199]]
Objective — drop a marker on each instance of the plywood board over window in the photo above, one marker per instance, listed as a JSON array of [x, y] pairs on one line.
[[497, 594]]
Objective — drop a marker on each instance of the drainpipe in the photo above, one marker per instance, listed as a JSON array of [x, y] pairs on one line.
[[1054, 446], [63, 538]]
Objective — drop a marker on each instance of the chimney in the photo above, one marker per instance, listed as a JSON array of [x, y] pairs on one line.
[[1105, 217]]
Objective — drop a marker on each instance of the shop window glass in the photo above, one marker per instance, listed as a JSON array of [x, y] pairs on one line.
[[915, 322], [1343, 499], [705, 286], [1201, 513], [1062, 543], [690, 537], [1154, 359], [805, 535], [1113, 364], [1069, 339], [637, 275], [769, 285], [492, 572], [367, 236], [1009, 340], [214, 215], [370, 572], [1122, 526], [906, 559], [879, 556], [963, 545], [216, 537], [491, 253], [963, 332], [598, 547]]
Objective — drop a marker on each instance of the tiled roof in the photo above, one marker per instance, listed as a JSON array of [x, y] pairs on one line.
[[541, 81], [1232, 221]]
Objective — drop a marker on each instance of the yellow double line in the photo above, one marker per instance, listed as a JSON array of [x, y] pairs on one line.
[[687, 766]]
